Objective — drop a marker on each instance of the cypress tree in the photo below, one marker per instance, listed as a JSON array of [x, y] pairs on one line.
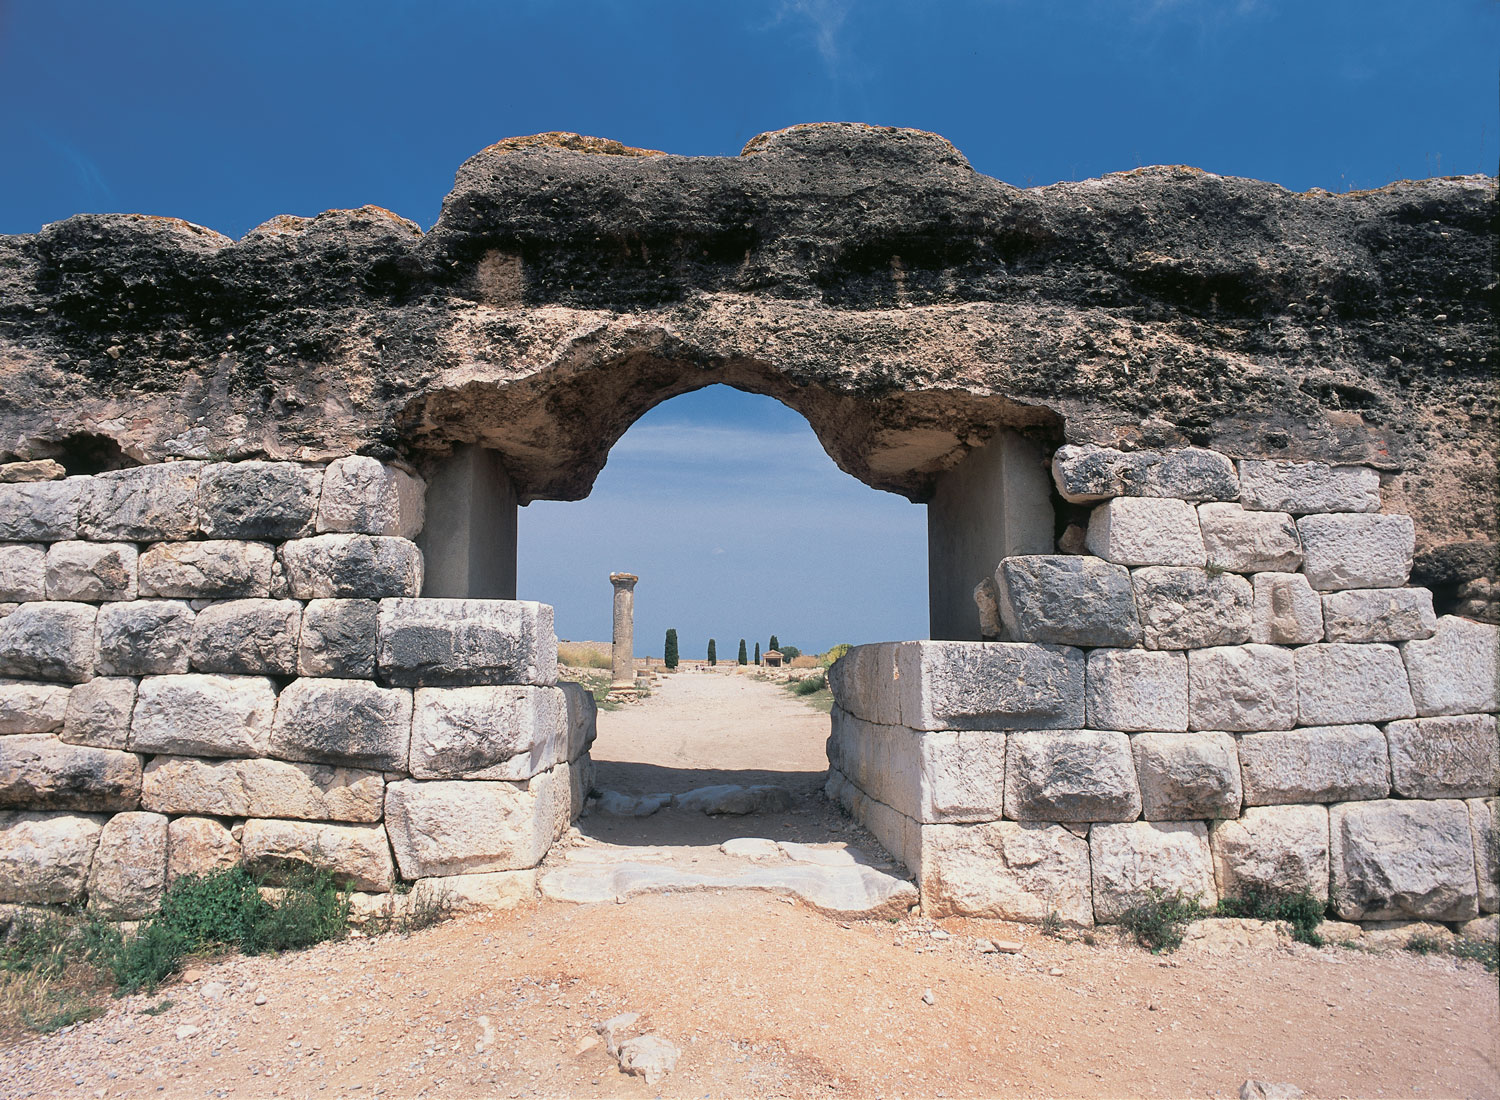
[[757, 653], [774, 643], [743, 659], [713, 653], [669, 651]]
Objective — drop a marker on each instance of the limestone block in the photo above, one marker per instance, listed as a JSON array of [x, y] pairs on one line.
[[1184, 608], [1088, 473], [98, 713], [1285, 610], [459, 643], [29, 707], [1006, 870], [1304, 487], [1378, 615], [42, 511], [1137, 689], [1070, 775], [1242, 541], [48, 641], [357, 855], [1273, 850], [482, 893], [142, 504], [38, 469], [1316, 764], [988, 685], [349, 722], [261, 788], [144, 637], [1454, 756], [1241, 688], [247, 636], [199, 846], [864, 683], [583, 717], [212, 569], [1066, 599], [203, 715], [91, 571], [338, 639], [1141, 531], [23, 572], [258, 500], [39, 772], [1338, 683], [455, 827], [1131, 859], [1454, 671], [885, 762], [1485, 833], [128, 882], [1184, 776], [45, 858], [1356, 551], [487, 732], [368, 497], [1393, 860], [352, 566], [962, 776]]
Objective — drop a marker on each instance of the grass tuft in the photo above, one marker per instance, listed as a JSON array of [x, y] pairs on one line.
[[1301, 910], [1158, 923]]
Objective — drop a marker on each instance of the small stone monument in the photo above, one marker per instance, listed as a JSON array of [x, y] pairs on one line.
[[622, 654]]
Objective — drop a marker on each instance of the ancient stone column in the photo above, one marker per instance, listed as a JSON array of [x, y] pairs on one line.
[[623, 654]]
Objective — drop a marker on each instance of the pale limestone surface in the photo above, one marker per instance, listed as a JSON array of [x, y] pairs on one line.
[[583, 717], [338, 639], [962, 776], [1066, 599], [364, 496], [1087, 473], [1378, 615], [1006, 870], [357, 855], [142, 504], [1305, 487], [1185, 608], [39, 772], [480, 893], [1242, 688], [91, 571], [144, 638], [1356, 551], [1285, 610], [258, 500], [1249, 542], [1453, 756], [203, 715], [254, 637], [1393, 860], [23, 571], [1137, 689], [43, 511], [1339, 684], [199, 846], [1454, 671], [1070, 775], [129, 875], [1314, 764], [261, 788], [1187, 776], [48, 641], [351, 567], [865, 684], [1274, 849], [487, 732], [45, 857], [463, 643], [1484, 830], [30, 707], [988, 685], [987, 602], [211, 569], [734, 799], [1130, 859], [352, 723], [98, 712], [1145, 531]]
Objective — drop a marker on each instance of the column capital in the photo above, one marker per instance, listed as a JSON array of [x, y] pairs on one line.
[[623, 580]]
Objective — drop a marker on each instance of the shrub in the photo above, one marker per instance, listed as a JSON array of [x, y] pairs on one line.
[[713, 652], [1486, 954], [790, 653], [808, 685], [827, 659], [1159, 922], [743, 658], [1301, 910], [1423, 944], [669, 650]]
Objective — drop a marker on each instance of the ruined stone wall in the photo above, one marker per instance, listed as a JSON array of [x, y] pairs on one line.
[[209, 662], [1229, 685]]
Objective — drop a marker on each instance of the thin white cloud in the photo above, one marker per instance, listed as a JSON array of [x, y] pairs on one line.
[[825, 18]]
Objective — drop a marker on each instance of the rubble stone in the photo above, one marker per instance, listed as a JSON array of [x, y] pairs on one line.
[[1356, 551], [352, 566], [1187, 776], [1137, 689], [353, 723], [1285, 610], [142, 504], [1338, 683], [1143, 531], [203, 714], [1131, 859], [98, 713], [1454, 671], [1484, 829], [1070, 775], [1378, 615], [45, 857], [144, 637], [481, 893], [1315, 764], [1276, 850], [1088, 473], [338, 639], [30, 707], [364, 496], [1184, 608], [261, 788], [199, 846], [257, 637], [42, 469], [127, 884], [1242, 688], [357, 855], [1453, 756], [1393, 860], [1068, 600], [23, 572], [39, 772], [487, 732], [41, 511], [48, 641], [212, 569], [258, 500], [1006, 870], [1242, 541], [462, 643], [1305, 487]]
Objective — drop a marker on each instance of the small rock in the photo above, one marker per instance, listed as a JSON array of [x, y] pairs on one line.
[[586, 1044], [649, 1057], [187, 1031], [939, 934], [191, 975], [213, 991], [616, 1023], [1008, 947], [986, 947], [1056, 972], [928, 998], [1269, 1090], [260, 998]]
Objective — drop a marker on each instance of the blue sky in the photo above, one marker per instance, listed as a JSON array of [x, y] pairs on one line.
[[227, 113]]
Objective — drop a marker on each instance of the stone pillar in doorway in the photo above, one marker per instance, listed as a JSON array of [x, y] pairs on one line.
[[623, 652]]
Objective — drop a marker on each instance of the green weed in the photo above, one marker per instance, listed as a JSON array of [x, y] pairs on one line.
[[1301, 910], [1159, 922]]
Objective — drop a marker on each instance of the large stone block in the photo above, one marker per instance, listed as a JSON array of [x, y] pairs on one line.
[[144, 638], [583, 717], [455, 827], [1285, 610], [1339, 683], [988, 685], [1088, 473], [199, 846], [1131, 860], [1066, 599], [962, 776], [43, 511], [1141, 531], [1316, 764], [1137, 689], [358, 856], [352, 566], [488, 732], [45, 858], [1249, 542], [23, 572], [1006, 870], [364, 496], [127, 882], [1378, 615], [1454, 671], [1276, 850], [1484, 830], [864, 683], [338, 639], [91, 571], [485, 893], [1183, 608], [1241, 688], [48, 641], [98, 713], [203, 715], [460, 643], [885, 762], [1454, 756], [1356, 551], [142, 504], [39, 772], [1185, 776], [30, 707], [1304, 487], [1070, 775], [247, 636], [212, 569], [261, 788], [258, 500], [349, 722], [1403, 860]]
